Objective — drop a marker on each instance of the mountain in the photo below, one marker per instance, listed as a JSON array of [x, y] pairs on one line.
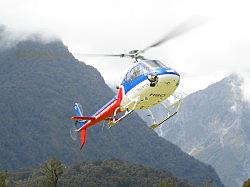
[[39, 82], [213, 126], [99, 173]]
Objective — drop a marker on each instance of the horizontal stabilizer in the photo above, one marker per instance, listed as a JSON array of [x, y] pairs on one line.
[[82, 118]]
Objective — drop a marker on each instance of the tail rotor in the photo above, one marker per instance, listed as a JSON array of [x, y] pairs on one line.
[[73, 133]]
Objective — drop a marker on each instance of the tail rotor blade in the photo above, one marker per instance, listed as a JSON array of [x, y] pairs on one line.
[[73, 133]]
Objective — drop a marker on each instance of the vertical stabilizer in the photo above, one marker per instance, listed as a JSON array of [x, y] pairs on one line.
[[78, 112], [83, 134]]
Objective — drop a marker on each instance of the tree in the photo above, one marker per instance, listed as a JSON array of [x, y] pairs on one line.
[[3, 176], [164, 183], [52, 169], [246, 183], [208, 183]]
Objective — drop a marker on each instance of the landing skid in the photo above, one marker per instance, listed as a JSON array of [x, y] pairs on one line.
[[113, 122], [171, 109], [155, 125]]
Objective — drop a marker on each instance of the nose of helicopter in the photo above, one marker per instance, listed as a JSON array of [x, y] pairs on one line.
[[168, 76], [166, 71]]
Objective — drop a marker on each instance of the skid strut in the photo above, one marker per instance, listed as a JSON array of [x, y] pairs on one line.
[[171, 111], [115, 121]]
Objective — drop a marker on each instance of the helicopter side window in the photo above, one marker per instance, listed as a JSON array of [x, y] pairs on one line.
[[128, 77], [144, 69], [154, 64], [134, 73]]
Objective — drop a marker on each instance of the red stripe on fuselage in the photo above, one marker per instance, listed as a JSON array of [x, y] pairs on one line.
[[107, 112], [82, 118]]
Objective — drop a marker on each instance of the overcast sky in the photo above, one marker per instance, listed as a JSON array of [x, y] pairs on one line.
[[202, 56]]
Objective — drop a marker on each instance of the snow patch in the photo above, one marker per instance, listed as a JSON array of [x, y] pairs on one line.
[[224, 131], [246, 85], [196, 150], [234, 108]]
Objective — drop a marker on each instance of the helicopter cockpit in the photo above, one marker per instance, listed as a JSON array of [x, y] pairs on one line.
[[142, 68]]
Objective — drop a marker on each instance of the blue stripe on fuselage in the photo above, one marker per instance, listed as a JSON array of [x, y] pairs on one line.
[[132, 83], [159, 71]]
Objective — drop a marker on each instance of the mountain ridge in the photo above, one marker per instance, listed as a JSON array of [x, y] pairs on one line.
[[216, 132], [39, 84]]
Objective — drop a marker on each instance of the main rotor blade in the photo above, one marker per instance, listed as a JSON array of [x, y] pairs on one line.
[[180, 29], [102, 55]]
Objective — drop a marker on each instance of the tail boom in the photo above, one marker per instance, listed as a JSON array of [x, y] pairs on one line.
[[88, 121]]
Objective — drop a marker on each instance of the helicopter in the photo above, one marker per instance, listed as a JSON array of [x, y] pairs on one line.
[[147, 83]]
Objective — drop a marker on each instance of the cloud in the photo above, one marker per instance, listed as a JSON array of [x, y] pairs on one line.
[[202, 57], [9, 37], [6, 38]]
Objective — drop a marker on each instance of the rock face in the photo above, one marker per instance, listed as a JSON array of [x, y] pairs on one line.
[[39, 82], [213, 125]]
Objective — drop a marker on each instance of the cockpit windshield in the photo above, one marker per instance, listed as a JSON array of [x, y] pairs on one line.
[[142, 68], [135, 72], [153, 64]]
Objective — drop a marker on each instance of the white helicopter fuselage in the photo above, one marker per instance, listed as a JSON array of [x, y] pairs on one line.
[[140, 93]]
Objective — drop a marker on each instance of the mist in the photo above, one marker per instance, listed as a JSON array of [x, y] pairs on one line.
[[9, 37], [202, 56]]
